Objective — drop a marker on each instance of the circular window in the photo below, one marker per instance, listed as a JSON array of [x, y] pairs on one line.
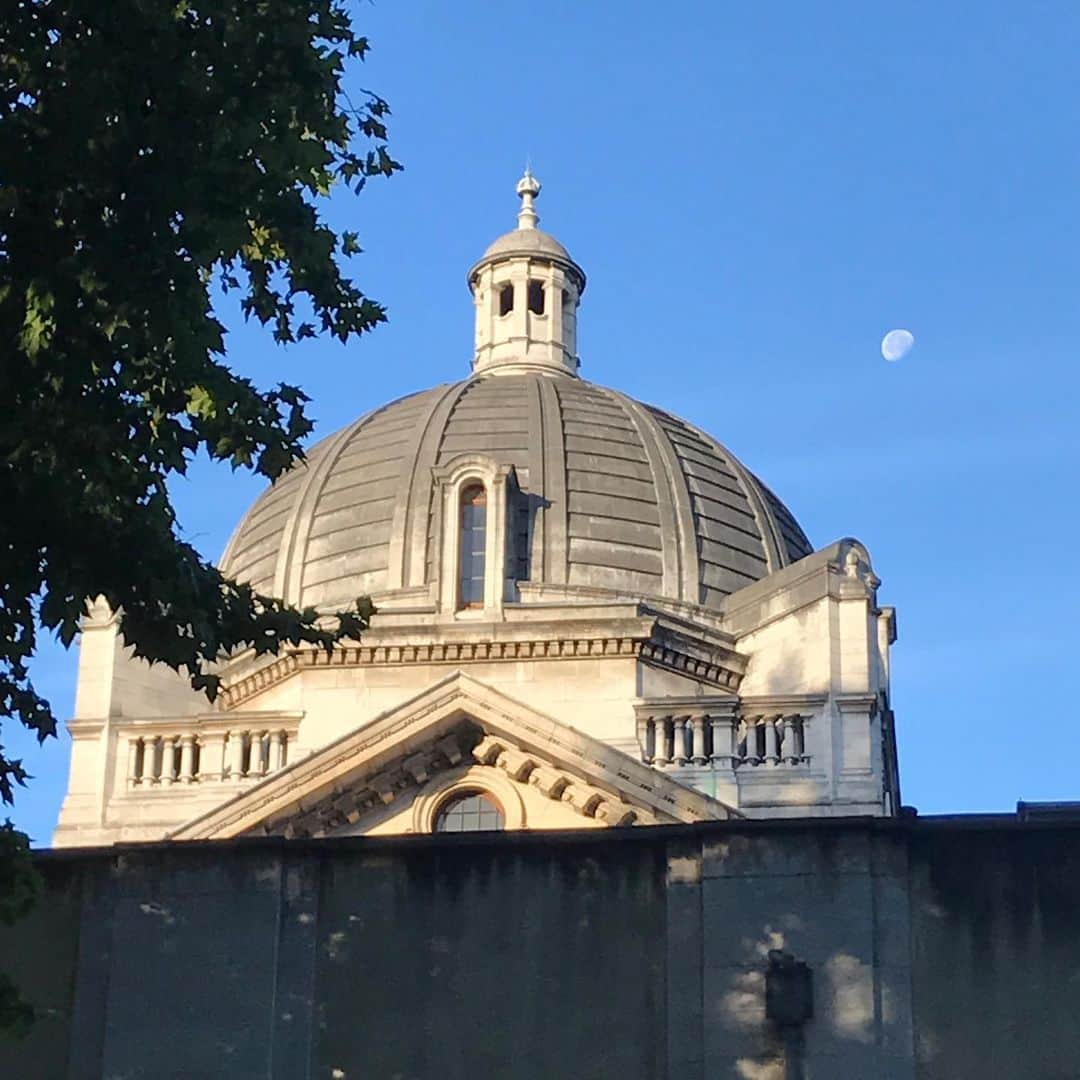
[[474, 812]]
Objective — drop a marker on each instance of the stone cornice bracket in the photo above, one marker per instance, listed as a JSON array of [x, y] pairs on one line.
[[557, 784], [345, 805], [674, 660]]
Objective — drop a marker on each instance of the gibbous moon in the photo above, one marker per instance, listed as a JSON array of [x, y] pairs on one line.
[[896, 344]]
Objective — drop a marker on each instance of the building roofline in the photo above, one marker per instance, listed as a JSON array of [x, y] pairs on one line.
[[525, 838]]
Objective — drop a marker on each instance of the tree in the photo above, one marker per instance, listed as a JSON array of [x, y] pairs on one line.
[[152, 154]]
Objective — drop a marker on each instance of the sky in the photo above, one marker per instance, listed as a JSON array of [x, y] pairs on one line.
[[758, 192]]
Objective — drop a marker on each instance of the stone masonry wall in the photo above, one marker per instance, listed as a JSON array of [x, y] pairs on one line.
[[938, 949]]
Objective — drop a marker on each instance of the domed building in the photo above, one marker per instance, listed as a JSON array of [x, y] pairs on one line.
[[589, 613]]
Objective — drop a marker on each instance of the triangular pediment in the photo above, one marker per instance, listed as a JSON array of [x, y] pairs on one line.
[[455, 724]]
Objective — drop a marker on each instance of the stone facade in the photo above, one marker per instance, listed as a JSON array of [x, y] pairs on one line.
[[627, 586]]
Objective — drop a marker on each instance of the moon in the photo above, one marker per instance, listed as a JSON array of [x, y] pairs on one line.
[[896, 344]]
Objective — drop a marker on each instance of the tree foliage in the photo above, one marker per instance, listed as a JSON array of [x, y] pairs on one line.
[[19, 888], [152, 154]]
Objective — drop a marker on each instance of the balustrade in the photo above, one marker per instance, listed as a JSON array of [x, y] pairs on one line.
[[769, 739], [189, 758]]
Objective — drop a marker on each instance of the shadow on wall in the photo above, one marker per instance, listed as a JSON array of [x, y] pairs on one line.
[[833, 903], [786, 672], [853, 1010]]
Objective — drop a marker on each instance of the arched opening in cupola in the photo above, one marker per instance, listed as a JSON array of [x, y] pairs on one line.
[[536, 297]]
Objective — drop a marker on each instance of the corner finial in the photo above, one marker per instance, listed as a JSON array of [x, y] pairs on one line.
[[528, 188]]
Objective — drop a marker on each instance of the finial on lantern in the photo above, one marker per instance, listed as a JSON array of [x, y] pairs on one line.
[[528, 188]]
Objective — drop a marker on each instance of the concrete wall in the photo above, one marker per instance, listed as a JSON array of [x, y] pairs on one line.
[[938, 949], [996, 951]]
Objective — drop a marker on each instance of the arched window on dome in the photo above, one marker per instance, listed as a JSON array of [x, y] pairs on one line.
[[472, 542], [474, 811], [506, 299]]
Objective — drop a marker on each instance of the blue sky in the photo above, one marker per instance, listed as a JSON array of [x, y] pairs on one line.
[[757, 193]]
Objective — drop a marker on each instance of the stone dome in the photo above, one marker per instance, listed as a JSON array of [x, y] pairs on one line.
[[627, 500], [527, 242]]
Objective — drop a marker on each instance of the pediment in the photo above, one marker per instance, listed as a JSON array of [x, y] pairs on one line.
[[459, 723]]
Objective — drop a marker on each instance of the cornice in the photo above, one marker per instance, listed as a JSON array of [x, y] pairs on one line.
[[215, 723], [81, 728], [783, 702], [856, 703], [672, 651], [720, 705]]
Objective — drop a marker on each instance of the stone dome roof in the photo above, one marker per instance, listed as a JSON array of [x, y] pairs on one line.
[[527, 242], [628, 499]]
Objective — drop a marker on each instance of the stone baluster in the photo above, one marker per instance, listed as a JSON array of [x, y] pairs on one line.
[[236, 755], [277, 750], [751, 756], [168, 760], [790, 749], [660, 746], [133, 762], [644, 731], [678, 750], [723, 738], [187, 758], [697, 724], [254, 754], [771, 754], [149, 759]]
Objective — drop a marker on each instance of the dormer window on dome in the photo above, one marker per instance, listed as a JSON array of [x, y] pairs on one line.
[[481, 536], [518, 328]]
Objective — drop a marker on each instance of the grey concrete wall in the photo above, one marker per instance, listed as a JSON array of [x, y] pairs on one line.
[[939, 949]]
